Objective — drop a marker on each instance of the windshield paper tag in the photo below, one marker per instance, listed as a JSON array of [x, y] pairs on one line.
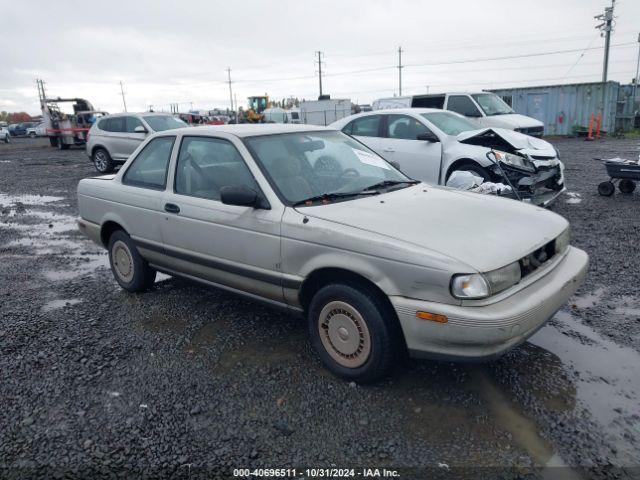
[[370, 159]]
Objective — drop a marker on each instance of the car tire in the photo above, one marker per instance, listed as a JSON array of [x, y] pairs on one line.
[[606, 189], [131, 271], [355, 333], [53, 141], [102, 161], [61, 145], [7, 139], [626, 186], [32, 135], [474, 168]]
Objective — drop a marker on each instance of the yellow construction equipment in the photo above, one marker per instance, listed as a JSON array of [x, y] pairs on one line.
[[257, 106]]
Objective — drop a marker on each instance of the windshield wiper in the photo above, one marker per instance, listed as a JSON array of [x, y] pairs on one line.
[[389, 183], [332, 196]]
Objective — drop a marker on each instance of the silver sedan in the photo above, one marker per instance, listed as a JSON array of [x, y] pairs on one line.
[[312, 221]]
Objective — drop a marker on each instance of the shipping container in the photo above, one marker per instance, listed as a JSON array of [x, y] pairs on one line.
[[324, 112], [566, 109]]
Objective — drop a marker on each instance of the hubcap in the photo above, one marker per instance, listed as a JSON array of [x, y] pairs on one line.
[[101, 161], [122, 261], [344, 334]]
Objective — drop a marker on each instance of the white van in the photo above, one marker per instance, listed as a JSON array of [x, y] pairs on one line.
[[485, 109]]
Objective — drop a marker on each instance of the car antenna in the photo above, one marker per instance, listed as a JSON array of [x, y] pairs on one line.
[[491, 156]]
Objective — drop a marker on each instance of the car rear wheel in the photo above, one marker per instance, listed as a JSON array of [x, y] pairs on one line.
[[131, 271], [354, 332], [32, 134], [102, 161]]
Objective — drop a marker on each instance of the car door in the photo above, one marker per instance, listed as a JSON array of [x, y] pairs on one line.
[[139, 206], [233, 246], [131, 138], [419, 159], [463, 105], [117, 144]]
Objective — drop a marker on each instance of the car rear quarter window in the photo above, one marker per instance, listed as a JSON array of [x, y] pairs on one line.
[[112, 124], [149, 168]]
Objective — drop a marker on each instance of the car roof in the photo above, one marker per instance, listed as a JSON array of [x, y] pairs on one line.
[[252, 129]]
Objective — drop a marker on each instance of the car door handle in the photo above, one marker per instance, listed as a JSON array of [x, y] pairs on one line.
[[388, 150], [171, 208]]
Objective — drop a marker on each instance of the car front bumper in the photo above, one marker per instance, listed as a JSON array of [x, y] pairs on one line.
[[484, 332]]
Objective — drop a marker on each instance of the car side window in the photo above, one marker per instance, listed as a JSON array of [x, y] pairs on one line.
[[113, 124], [402, 127], [463, 105], [206, 164], [149, 168], [132, 123], [366, 126]]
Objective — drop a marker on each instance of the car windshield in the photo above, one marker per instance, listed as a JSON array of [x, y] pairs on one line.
[[309, 165], [450, 123], [492, 104], [164, 122]]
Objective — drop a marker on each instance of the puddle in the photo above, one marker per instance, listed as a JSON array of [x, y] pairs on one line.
[[608, 378], [523, 430], [574, 197], [48, 233], [61, 303], [27, 199], [161, 277]]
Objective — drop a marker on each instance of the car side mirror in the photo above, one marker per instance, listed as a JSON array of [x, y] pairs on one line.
[[140, 129], [428, 137], [239, 195]]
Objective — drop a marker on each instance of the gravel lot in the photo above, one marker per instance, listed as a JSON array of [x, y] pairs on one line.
[[185, 381]]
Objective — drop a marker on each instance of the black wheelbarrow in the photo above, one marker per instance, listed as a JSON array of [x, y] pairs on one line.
[[626, 174]]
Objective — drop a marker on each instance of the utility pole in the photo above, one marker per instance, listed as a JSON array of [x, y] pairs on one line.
[[399, 71], [606, 28], [122, 93], [320, 71], [230, 92], [635, 83]]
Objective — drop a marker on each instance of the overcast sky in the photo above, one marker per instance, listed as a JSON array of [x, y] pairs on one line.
[[177, 52]]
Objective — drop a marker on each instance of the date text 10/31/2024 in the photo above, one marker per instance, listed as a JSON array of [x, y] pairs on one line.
[[315, 473]]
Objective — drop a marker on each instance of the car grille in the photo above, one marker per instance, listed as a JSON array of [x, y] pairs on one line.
[[537, 259], [533, 131]]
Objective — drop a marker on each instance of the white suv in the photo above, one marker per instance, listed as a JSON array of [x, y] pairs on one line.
[[114, 137]]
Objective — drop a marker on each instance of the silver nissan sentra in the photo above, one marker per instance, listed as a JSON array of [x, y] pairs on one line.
[[309, 219]]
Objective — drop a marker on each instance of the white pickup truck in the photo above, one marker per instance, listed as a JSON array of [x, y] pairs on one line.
[[485, 109]]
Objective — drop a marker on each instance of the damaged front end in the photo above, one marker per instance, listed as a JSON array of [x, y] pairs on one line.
[[529, 165]]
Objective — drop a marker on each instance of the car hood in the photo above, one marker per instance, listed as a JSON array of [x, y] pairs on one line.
[[503, 139], [511, 120], [482, 231]]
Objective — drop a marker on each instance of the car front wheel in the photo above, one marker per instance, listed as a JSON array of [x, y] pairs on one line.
[[130, 270], [354, 332], [102, 161]]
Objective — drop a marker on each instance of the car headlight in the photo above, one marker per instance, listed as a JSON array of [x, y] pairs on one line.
[[471, 285], [514, 160], [563, 241], [477, 285], [504, 277]]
